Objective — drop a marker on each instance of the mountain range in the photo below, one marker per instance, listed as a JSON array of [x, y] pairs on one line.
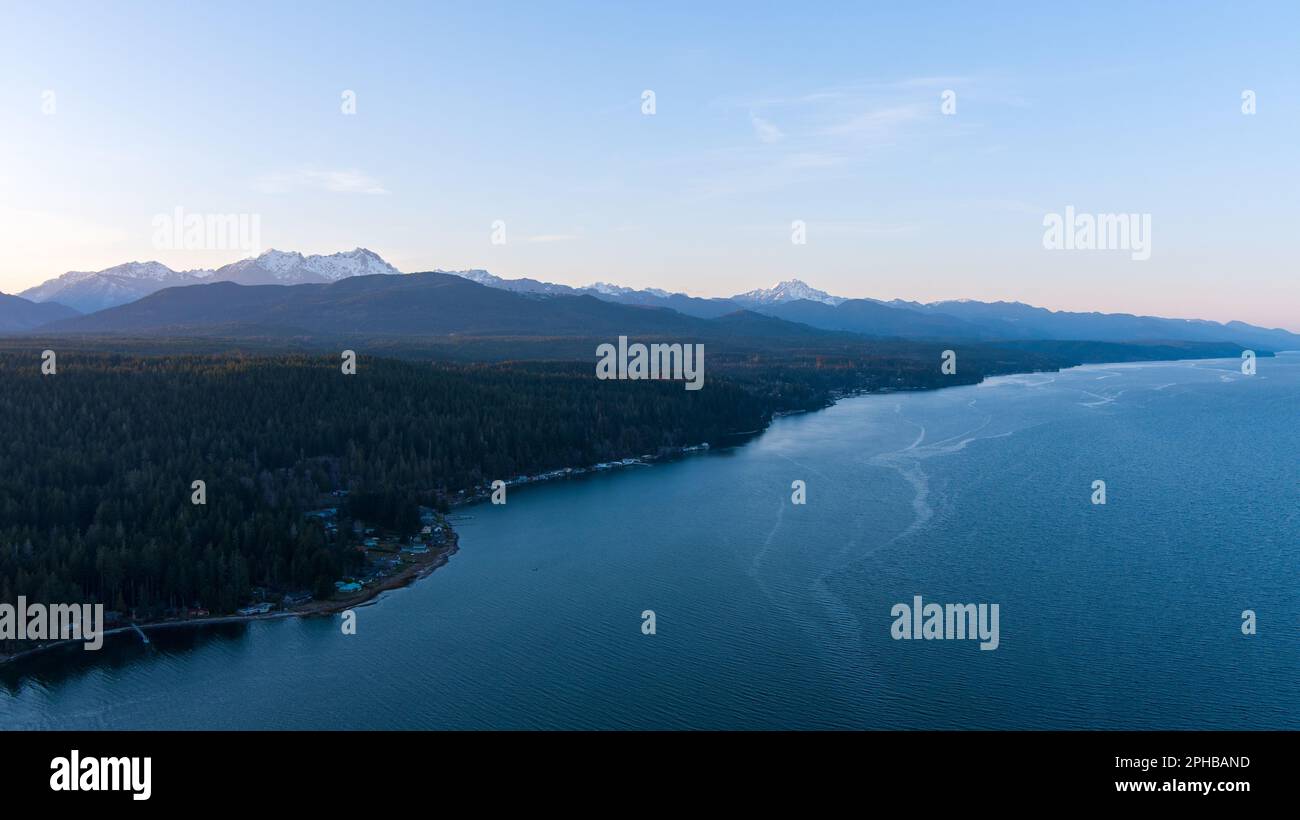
[[90, 291], [432, 304], [796, 301], [283, 293]]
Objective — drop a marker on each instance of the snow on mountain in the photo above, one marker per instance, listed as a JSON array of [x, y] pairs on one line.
[[607, 289], [147, 271], [89, 291], [279, 262], [787, 291], [611, 292], [513, 285], [357, 262], [480, 276], [292, 268]]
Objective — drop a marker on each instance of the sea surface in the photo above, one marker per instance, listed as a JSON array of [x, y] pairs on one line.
[[770, 614]]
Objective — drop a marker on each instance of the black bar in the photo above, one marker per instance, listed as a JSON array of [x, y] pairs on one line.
[[309, 771]]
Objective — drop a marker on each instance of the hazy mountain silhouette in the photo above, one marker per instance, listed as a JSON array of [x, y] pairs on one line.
[[417, 304], [18, 314]]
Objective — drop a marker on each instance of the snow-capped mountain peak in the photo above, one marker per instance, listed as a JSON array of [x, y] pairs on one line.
[[89, 291], [787, 291], [608, 289], [153, 271], [480, 276], [156, 271], [529, 286], [291, 267], [356, 262], [280, 261], [274, 267]]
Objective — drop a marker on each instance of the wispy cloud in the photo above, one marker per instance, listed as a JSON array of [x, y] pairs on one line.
[[822, 131], [346, 182], [878, 122], [764, 130], [739, 172]]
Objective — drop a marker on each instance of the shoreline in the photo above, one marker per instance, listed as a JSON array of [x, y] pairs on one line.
[[409, 575], [436, 559]]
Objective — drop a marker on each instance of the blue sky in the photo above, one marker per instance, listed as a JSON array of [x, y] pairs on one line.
[[764, 114]]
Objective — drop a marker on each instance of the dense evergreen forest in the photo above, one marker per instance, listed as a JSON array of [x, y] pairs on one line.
[[97, 461]]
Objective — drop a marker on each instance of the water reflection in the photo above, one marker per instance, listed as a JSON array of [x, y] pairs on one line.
[[66, 662]]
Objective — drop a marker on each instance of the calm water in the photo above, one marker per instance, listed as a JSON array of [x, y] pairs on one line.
[[1126, 615]]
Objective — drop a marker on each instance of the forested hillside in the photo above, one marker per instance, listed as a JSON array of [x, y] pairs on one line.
[[98, 460], [95, 492]]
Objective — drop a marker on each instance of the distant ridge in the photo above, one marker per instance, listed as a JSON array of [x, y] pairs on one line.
[[18, 314], [793, 300], [796, 301], [89, 291], [409, 305]]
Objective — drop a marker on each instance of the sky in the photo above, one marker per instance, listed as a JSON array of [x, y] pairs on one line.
[[528, 122]]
